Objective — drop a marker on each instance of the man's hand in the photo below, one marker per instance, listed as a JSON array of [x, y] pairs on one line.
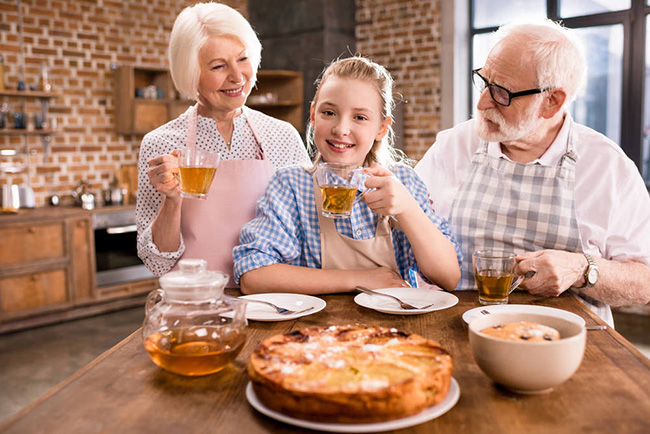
[[555, 271]]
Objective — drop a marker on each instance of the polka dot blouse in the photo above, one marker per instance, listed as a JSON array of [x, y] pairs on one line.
[[282, 147]]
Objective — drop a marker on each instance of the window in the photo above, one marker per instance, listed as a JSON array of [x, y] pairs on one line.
[[616, 98]]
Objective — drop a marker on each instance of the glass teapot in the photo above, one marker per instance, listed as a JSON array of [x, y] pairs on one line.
[[190, 327]]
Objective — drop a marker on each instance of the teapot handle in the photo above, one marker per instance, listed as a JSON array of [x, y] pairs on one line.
[[152, 299]]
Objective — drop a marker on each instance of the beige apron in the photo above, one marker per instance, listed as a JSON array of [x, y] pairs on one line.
[[340, 252], [211, 227]]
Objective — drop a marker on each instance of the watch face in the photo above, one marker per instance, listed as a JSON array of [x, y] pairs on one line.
[[593, 276]]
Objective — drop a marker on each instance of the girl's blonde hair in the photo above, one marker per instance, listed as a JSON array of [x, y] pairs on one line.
[[361, 68]]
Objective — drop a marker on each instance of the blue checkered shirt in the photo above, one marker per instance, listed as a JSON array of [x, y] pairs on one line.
[[286, 228]]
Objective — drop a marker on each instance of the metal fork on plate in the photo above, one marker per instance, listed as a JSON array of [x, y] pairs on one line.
[[280, 310], [402, 304]]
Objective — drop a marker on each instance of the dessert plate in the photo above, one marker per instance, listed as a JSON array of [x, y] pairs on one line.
[[472, 314], [297, 302], [424, 416], [414, 296]]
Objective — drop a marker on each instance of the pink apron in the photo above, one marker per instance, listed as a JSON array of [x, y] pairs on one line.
[[211, 227]]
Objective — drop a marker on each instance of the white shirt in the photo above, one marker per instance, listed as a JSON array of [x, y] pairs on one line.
[[611, 199], [281, 143]]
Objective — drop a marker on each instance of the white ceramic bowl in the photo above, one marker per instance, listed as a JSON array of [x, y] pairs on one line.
[[528, 367]]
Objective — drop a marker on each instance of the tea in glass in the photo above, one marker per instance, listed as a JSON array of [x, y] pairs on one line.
[[195, 351], [494, 272], [196, 172], [338, 183]]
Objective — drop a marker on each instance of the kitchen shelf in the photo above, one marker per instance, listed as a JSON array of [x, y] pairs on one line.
[[45, 133], [279, 93], [28, 94], [138, 115], [21, 132]]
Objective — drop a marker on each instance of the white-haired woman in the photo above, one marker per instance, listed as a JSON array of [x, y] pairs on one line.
[[214, 55]]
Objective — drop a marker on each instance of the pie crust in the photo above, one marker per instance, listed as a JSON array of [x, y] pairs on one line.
[[350, 374]]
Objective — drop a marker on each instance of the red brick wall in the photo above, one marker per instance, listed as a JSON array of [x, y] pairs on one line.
[[79, 40], [404, 36]]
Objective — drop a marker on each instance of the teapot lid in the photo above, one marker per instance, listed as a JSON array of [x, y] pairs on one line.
[[193, 282]]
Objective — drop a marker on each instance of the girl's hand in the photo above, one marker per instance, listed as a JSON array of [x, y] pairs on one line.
[[380, 277], [163, 172], [386, 195]]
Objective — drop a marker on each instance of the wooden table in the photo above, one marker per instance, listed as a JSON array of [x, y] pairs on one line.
[[122, 391]]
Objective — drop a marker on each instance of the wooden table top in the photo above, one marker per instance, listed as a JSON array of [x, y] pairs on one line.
[[123, 391]]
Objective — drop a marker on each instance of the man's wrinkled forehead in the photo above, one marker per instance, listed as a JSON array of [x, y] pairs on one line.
[[510, 64]]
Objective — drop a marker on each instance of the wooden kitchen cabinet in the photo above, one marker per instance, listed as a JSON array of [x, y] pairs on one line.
[[279, 93], [135, 114], [46, 262], [47, 270]]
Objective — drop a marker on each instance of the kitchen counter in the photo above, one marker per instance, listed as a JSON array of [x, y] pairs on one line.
[[123, 391]]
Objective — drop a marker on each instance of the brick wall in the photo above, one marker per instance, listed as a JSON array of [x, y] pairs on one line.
[[79, 40], [404, 36]]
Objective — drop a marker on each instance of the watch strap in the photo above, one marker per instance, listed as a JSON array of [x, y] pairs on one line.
[[591, 264]]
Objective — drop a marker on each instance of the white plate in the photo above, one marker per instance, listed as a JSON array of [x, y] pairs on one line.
[[260, 312], [414, 296], [472, 314], [424, 416]]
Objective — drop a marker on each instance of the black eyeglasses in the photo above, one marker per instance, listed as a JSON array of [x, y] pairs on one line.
[[500, 94]]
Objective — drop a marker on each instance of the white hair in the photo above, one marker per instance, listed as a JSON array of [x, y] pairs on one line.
[[555, 51], [192, 28]]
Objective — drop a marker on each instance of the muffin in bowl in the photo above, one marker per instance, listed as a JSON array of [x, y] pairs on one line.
[[527, 365]]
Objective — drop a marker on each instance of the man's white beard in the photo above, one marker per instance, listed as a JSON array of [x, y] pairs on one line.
[[506, 132]]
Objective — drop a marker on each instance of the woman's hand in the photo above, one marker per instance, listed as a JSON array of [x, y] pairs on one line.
[[386, 195], [163, 172]]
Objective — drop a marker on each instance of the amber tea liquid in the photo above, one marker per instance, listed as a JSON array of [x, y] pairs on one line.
[[196, 181], [493, 286], [337, 200], [195, 350]]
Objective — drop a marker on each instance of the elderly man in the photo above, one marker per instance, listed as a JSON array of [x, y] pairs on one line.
[[522, 176]]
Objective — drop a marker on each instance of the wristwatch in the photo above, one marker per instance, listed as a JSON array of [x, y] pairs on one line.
[[591, 273]]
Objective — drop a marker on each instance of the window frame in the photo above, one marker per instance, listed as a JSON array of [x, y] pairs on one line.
[[634, 44]]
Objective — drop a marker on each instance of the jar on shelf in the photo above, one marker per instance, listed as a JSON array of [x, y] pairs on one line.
[[190, 327], [45, 78]]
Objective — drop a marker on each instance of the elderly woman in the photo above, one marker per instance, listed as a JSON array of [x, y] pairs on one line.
[[214, 55]]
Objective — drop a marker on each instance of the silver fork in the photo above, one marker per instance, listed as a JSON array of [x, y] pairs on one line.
[[280, 310], [402, 304]]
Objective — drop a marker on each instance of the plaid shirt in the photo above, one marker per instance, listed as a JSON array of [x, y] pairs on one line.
[[286, 228]]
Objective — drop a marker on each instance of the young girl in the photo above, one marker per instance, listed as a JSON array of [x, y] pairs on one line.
[[291, 247]]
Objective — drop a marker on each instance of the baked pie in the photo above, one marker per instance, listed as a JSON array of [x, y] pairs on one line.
[[350, 374]]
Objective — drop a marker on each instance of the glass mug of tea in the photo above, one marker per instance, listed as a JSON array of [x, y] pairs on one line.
[[338, 184], [494, 272], [196, 172]]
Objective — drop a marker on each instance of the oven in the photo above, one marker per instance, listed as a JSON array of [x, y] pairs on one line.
[[116, 254]]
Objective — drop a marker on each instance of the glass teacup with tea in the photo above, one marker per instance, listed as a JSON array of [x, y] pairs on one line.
[[338, 183], [196, 171], [494, 272]]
